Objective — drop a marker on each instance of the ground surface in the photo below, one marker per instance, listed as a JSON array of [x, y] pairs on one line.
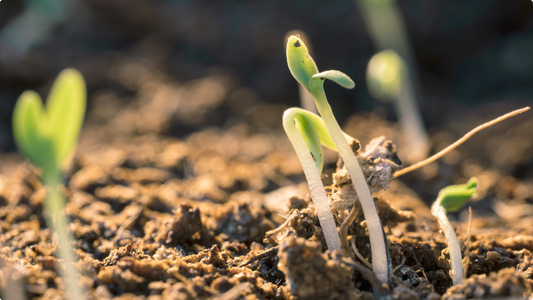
[[183, 173], [184, 218]]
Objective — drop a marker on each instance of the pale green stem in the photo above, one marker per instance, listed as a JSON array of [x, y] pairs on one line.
[[454, 247], [58, 222], [375, 230], [316, 187], [411, 122]]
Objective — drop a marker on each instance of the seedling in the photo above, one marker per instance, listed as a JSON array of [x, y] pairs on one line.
[[47, 136], [305, 71], [307, 133], [451, 199], [388, 80]]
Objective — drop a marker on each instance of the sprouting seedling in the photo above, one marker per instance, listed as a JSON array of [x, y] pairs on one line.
[[305, 71], [47, 136], [388, 80], [308, 134], [451, 199]]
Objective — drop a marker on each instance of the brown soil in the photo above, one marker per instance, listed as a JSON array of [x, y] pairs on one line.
[[159, 216]]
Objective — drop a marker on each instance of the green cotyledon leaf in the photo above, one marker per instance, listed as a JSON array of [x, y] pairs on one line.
[[453, 197], [65, 107], [336, 76], [31, 131], [46, 136], [301, 64]]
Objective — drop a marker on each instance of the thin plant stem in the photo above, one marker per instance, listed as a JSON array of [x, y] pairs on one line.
[[454, 247], [468, 242], [459, 142], [316, 187], [57, 220], [411, 121], [375, 230]]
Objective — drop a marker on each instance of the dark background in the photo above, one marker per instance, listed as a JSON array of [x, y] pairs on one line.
[[468, 53]]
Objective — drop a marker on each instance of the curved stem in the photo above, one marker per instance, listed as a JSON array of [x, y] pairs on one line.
[[456, 260], [377, 241], [316, 187]]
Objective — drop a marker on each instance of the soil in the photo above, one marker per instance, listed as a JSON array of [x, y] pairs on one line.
[[184, 185], [223, 213]]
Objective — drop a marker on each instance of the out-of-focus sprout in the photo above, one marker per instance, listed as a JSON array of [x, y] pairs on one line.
[[388, 80], [47, 136]]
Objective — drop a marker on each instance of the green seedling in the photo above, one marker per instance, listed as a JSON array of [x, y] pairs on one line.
[[451, 199], [388, 80], [47, 137], [308, 133], [305, 71], [385, 24]]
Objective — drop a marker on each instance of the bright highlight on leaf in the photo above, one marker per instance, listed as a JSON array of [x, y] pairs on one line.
[[453, 197], [47, 135]]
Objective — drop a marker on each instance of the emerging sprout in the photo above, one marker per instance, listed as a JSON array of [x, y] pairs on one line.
[[307, 133], [451, 199], [305, 71], [388, 79], [47, 136]]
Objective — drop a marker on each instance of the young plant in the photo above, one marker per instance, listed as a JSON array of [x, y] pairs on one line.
[[388, 79], [308, 134], [451, 199], [305, 71], [47, 136]]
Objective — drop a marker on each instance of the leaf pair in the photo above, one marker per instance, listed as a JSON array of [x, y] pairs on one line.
[[47, 135], [453, 197], [305, 71]]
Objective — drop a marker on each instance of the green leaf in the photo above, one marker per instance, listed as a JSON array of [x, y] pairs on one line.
[[453, 197], [309, 133], [46, 137], [31, 131], [336, 76], [66, 109], [301, 64]]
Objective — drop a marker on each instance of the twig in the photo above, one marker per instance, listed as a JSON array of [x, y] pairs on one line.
[[459, 142], [361, 258], [266, 253], [344, 230], [381, 287], [400, 265]]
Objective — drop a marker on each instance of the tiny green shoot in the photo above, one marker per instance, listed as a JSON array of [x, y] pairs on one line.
[[451, 199], [305, 71], [388, 79], [47, 137]]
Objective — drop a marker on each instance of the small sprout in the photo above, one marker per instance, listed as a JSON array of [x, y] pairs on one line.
[[47, 136], [305, 71], [388, 80], [451, 199]]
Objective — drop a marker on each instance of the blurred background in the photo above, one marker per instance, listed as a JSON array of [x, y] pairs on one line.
[[464, 54]]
